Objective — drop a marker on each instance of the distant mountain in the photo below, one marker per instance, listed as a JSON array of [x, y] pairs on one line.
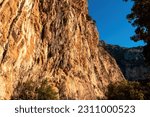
[[130, 60]]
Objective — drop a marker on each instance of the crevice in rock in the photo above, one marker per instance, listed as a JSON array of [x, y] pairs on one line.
[[16, 18], [1, 3]]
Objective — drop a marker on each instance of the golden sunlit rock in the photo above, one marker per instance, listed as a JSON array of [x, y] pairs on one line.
[[56, 40]]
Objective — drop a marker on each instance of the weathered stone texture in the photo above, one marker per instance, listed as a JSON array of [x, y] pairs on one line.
[[57, 40], [131, 62]]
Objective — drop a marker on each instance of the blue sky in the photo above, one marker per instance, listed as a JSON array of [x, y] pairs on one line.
[[110, 17]]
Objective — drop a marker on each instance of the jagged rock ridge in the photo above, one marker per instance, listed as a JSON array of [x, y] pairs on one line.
[[53, 39], [131, 61]]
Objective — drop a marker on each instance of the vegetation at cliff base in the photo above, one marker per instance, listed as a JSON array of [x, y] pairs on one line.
[[129, 90], [32, 90]]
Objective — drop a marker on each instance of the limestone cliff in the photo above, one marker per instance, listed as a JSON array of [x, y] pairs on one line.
[[131, 62], [57, 40]]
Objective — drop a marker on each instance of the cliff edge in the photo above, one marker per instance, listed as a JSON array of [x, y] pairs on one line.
[[54, 40]]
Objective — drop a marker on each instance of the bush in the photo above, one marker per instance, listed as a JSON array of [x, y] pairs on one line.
[[31, 90], [129, 90], [45, 92]]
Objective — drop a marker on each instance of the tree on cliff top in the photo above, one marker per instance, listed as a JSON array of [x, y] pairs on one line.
[[140, 18]]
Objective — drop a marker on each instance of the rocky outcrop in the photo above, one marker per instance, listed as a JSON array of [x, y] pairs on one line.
[[131, 61], [56, 40]]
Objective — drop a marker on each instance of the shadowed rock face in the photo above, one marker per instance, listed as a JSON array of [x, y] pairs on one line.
[[53, 39], [131, 62]]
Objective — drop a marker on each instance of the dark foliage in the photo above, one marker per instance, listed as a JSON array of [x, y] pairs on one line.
[[129, 91], [140, 18]]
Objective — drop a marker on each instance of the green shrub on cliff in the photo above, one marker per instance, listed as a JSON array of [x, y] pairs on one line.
[[32, 90]]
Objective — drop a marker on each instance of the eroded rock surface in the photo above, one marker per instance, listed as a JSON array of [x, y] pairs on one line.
[[131, 62], [57, 40]]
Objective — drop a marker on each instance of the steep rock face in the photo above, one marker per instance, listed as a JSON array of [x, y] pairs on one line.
[[57, 40], [131, 62]]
